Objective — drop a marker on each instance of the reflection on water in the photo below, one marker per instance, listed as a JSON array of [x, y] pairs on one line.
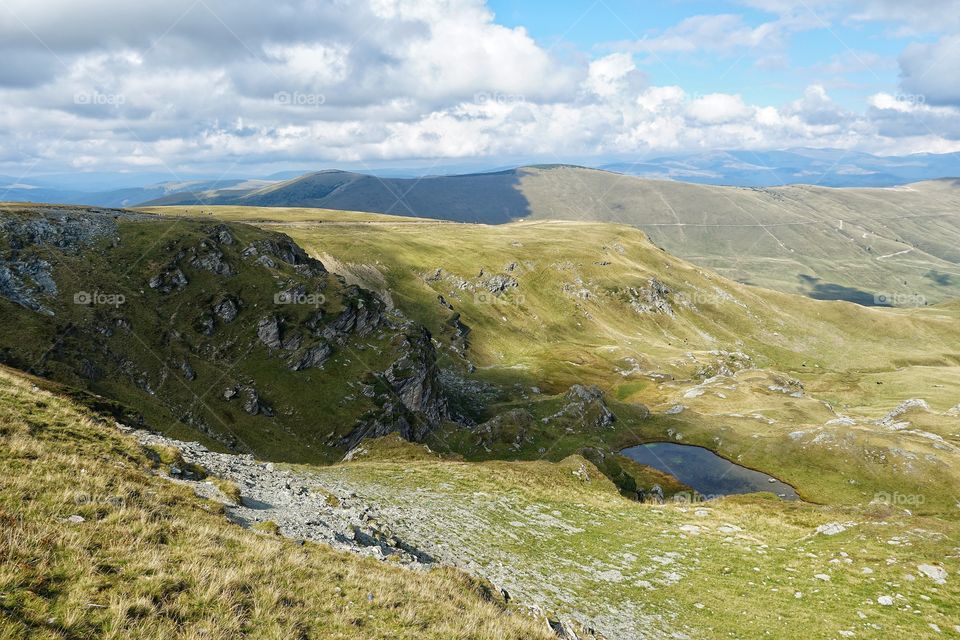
[[706, 472]]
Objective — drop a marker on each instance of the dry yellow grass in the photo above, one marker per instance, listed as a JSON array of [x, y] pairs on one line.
[[151, 560]]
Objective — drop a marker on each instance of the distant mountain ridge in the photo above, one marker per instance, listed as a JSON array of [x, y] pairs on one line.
[[874, 246], [823, 167]]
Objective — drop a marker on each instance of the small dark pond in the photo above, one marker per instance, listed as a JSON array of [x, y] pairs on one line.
[[706, 472]]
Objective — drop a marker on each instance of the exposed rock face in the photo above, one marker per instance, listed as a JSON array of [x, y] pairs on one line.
[[22, 281], [25, 277], [415, 377], [362, 315], [652, 299], [511, 427], [584, 408], [409, 392], [227, 309], [311, 358], [253, 404], [269, 331], [284, 249], [170, 279], [212, 259]]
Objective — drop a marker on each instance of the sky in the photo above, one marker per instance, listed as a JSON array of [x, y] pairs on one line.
[[246, 87]]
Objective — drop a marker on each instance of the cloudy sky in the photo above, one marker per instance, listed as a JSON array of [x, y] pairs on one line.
[[247, 86]]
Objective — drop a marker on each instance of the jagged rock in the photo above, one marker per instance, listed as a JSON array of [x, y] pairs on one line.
[[205, 324], [222, 235], [585, 408], [653, 299], [414, 404], [269, 330], [16, 279], [363, 314], [252, 403], [188, 371], [415, 377], [169, 279], [213, 260], [231, 392], [285, 250], [500, 283], [311, 358], [227, 309]]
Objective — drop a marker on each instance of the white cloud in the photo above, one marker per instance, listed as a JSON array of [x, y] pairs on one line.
[[719, 108], [190, 85], [930, 70]]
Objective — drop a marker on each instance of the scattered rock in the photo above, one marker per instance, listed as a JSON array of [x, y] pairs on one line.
[[934, 572]]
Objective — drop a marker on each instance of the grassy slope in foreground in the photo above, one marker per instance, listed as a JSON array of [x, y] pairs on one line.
[[745, 567], [572, 319], [151, 560]]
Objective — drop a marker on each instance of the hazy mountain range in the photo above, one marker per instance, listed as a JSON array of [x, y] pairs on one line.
[[824, 167]]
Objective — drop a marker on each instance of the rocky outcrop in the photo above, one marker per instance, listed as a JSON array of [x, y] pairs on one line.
[[414, 377], [170, 279], [227, 309], [269, 330], [584, 409], [26, 278], [409, 393], [249, 398], [362, 315], [654, 298], [311, 358], [891, 420], [267, 251]]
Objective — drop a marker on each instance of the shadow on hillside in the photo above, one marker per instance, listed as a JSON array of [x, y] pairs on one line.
[[488, 198], [819, 290]]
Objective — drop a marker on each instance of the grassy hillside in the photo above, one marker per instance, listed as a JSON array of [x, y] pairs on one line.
[[880, 246], [93, 545], [745, 567], [847, 244], [781, 383], [228, 333]]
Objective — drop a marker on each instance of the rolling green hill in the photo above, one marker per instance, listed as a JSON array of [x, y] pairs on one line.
[[526, 355], [779, 382], [882, 246]]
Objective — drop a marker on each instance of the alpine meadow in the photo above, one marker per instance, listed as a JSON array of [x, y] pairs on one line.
[[479, 319]]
